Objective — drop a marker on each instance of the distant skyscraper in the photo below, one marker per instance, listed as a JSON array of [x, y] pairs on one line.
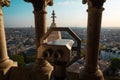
[[55, 34]]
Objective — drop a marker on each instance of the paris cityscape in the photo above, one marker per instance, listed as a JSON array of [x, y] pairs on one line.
[[59, 40], [21, 41]]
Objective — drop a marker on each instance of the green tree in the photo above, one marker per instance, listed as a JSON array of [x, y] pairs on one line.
[[101, 47], [83, 52], [115, 63], [19, 59]]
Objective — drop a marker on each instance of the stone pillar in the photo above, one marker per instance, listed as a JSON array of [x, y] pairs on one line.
[[5, 62], [40, 17], [91, 70], [40, 25], [41, 68]]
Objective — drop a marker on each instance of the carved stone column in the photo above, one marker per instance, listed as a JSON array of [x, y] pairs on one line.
[[41, 67], [40, 17], [5, 62], [91, 70]]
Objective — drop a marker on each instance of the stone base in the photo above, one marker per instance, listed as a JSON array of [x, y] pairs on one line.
[[43, 68], [85, 75], [6, 65], [72, 76]]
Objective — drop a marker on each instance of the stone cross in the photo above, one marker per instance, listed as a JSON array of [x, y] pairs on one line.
[[53, 16]]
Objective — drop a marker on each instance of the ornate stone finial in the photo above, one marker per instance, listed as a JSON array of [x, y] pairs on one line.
[[94, 3], [53, 16], [5, 3], [40, 4]]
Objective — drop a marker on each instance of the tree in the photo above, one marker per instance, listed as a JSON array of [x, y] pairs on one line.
[[19, 59], [83, 52], [101, 47], [115, 63]]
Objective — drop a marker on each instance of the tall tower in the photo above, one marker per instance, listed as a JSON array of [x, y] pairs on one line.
[[55, 34]]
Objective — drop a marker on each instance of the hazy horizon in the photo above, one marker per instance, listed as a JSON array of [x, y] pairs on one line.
[[67, 26]]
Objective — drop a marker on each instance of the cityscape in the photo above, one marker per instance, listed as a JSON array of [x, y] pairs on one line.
[[21, 41], [83, 43]]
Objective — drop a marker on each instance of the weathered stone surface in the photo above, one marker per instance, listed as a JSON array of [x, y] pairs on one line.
[[40, 4], [94, 3], [5, 3], [41, 66], [40, 17], [19, 73], [91, 70], [5, 62]]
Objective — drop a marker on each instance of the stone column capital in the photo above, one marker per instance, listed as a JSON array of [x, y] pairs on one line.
[[40, 11], [40, 4], [4, 3], [94, 3]]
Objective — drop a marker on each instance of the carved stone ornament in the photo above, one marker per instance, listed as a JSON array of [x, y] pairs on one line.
[[40, 4], [94, 3], [5, 3]]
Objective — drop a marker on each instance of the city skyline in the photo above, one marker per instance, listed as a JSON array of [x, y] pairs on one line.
[[69, 13]]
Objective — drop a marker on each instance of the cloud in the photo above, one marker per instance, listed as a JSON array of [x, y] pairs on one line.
[[68, 2]]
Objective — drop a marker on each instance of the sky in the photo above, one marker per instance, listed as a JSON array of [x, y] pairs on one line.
[[70, 13]]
